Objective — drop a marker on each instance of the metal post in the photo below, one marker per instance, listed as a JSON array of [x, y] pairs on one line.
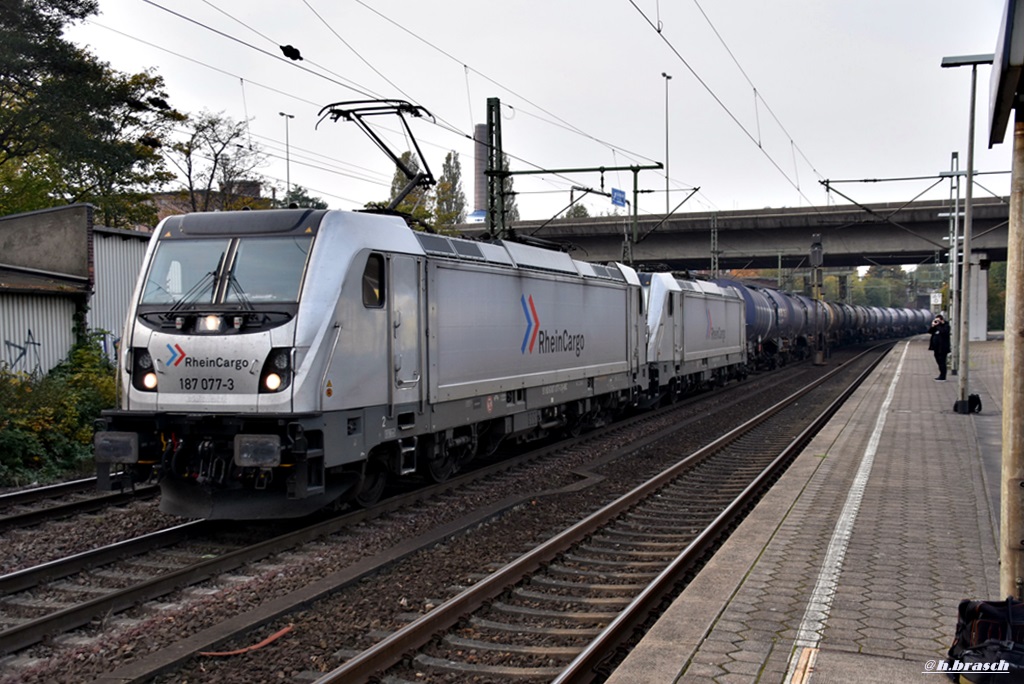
[[963, 320], [816, 259], [667, 79], [965, 272], [1011, 526], [954, 260], [714, 247], [495, 172], [287, 156]]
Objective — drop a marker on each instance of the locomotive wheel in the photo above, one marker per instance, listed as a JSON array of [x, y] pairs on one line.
[[439, 469], [372, 486]]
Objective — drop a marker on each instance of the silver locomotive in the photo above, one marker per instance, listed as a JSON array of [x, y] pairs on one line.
[[278, 361]]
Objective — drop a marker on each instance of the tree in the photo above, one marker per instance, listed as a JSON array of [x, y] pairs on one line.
[[71, 128], [300, 197], [883, 286], [508, 193], [450, 202], [577, 210], [42, 76], [117, 162], [218, 171], [419, 203]]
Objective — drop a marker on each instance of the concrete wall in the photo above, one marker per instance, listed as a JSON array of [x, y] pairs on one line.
[[53, 240]]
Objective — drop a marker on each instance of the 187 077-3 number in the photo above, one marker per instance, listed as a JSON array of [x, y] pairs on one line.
[[207, 384]]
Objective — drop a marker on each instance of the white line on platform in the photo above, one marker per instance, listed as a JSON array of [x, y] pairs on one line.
[[809, 635]]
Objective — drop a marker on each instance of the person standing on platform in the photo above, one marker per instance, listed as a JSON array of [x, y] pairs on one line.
[[939, 344]]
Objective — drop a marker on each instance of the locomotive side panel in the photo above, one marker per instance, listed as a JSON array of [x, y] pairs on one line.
[[713, 328], [498, 329]]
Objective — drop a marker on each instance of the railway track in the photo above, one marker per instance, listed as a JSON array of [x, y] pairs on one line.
[[58, 596], [98, 607], [37, 505], [556, 612]]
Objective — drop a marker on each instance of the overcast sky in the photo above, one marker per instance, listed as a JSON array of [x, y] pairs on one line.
[[766, 98]]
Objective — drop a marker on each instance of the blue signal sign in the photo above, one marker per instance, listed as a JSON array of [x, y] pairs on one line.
[[618, 197]]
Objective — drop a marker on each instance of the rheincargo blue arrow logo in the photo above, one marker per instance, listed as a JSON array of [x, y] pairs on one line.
[[532, 323], [177, 354]]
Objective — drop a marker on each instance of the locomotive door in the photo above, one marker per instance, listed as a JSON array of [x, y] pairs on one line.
[[405, 330]]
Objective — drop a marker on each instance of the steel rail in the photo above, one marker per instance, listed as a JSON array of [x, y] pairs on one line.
[[95, 503], [21, 580], [46, 491], [391, 649]]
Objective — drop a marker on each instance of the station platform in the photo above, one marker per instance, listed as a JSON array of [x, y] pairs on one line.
[[851, 568]]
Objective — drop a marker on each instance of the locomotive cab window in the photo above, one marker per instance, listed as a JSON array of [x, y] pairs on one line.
[[267, 269], [185, 268], [373, 282], [251, 270]]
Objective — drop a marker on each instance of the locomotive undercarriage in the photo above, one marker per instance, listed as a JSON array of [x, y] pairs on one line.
[[203, 471], [435, 457]]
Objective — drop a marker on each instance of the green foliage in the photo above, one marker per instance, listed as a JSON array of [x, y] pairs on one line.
[[888, 290], [508, 192], [46, 422], [450, 205], [419, 203], [577, 210], [71, 128], [997, 296], [300, 197]]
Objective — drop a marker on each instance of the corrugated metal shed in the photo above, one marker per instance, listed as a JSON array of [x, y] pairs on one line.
[[118, 255], [37, 330]]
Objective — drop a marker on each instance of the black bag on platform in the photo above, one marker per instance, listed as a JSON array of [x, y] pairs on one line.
[[973, 405], [989, 644]]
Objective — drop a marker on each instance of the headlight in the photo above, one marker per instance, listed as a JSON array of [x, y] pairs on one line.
[[143, 376], [209, 324], [260, 451], [277, 370]]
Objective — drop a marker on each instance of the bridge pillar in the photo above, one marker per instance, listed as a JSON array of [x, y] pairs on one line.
[[978, 293]]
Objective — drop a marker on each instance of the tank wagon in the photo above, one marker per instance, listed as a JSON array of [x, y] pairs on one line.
[[277, 362]]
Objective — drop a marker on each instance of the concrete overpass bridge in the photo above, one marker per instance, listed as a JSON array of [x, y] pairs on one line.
[[852, 235]]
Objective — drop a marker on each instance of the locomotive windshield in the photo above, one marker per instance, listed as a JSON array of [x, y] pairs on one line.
[[249, 270]]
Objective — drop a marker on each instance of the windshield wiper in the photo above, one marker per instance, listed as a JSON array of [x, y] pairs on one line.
[[243, 299], [193, 292]]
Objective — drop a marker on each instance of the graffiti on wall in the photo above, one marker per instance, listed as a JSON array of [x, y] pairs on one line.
[[25, 356]]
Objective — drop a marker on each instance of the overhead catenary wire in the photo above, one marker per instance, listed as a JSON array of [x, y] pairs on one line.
[[718, 100], [566, 124], [358, 89], [347, 83], [757, 94], [450, 127], [334, 78]]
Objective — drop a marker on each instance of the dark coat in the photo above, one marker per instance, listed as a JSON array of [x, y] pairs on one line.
[[940, 338]]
